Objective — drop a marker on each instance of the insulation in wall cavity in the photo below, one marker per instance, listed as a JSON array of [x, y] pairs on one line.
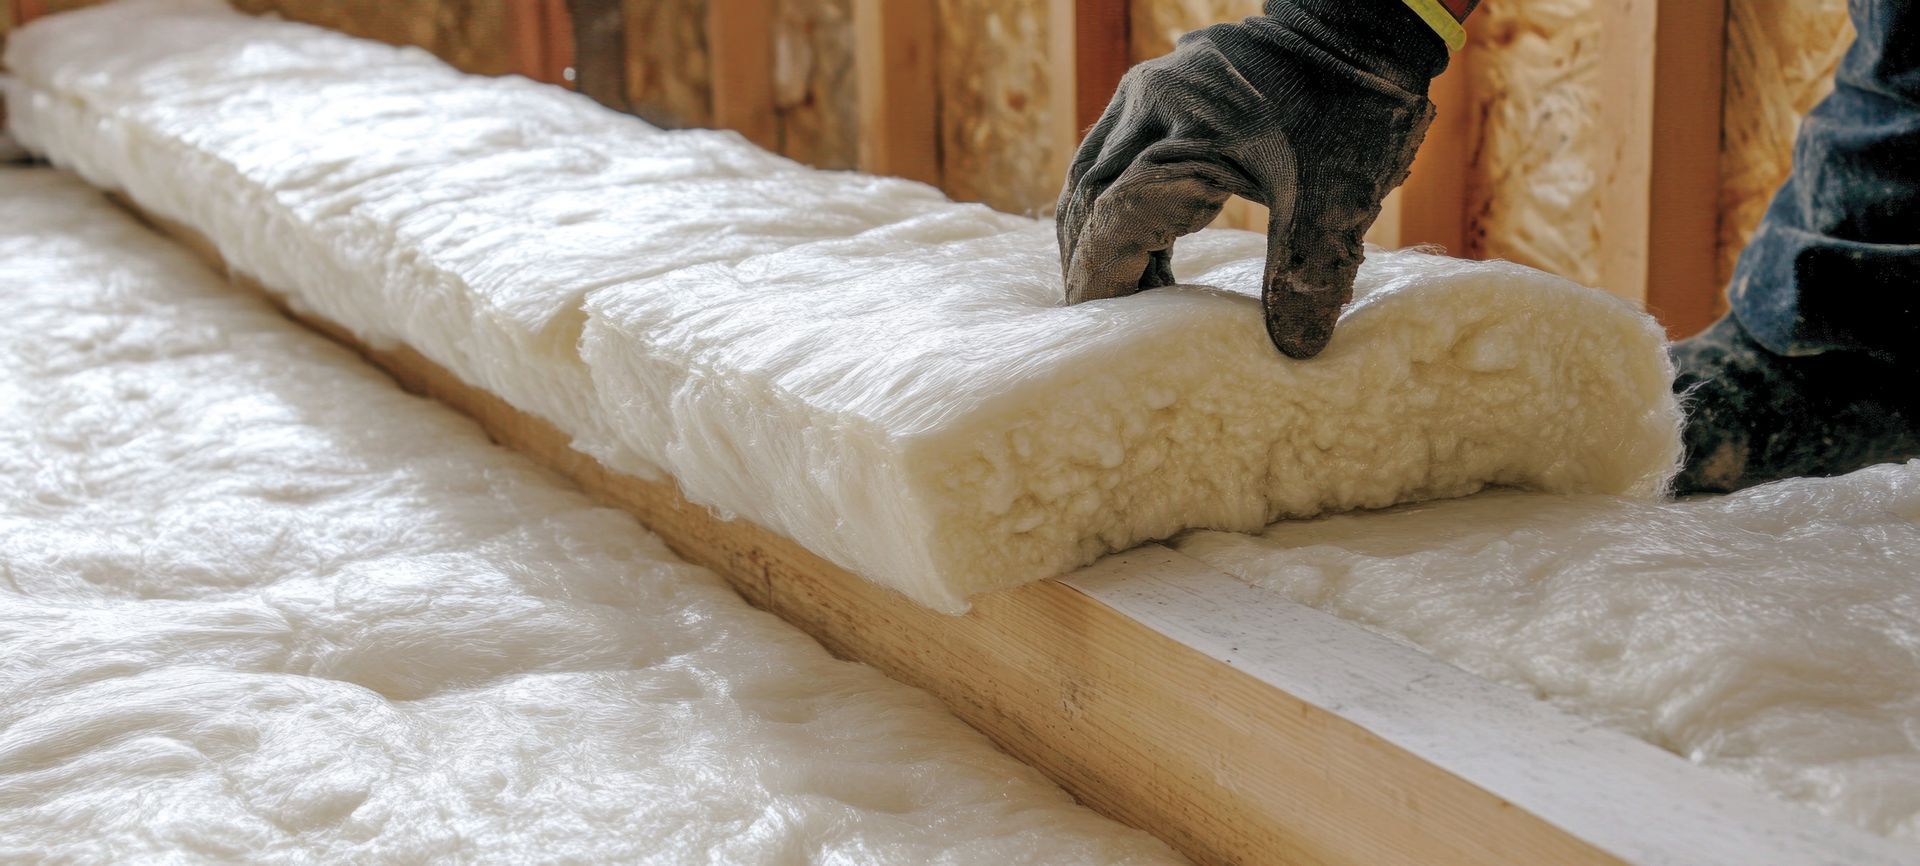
[[471, 35], [995, 106], [668, 78], [1780, 60], [1533, 182], [48, 7], [813, 86], [1154, 25]]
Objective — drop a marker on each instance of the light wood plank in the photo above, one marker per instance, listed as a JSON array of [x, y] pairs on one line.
[[1087, 56], [740, 51], [893, 43], [1238, 726], [1661, 61]]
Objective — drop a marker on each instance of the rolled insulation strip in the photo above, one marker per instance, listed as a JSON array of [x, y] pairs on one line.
[[887, 377]]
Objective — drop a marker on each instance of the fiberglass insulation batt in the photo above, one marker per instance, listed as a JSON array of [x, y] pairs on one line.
[[887, 377], [258, 605]]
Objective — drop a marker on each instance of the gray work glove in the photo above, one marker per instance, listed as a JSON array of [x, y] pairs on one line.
[[1314, 109]]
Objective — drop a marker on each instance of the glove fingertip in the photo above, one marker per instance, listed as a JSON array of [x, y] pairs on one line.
[[1300, 320], [1085, 283], [1299, 340]]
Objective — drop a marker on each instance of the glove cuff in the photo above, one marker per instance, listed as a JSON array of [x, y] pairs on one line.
[[1444, 21], [1383, 37]]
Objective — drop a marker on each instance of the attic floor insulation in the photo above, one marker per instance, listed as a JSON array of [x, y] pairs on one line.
[[1773, 634], [258, 604], [889, 378]]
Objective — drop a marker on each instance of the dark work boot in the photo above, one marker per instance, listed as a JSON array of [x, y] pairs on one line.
[[1754, 416]]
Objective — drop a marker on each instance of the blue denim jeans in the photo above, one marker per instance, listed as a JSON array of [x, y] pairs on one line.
[[1835, 264]]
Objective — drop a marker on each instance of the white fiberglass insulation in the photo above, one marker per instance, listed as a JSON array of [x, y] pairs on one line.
[[1773, 633], [258, 604], [887, 377]]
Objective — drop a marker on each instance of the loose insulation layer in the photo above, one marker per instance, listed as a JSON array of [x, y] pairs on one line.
[[261, 606], [884, 376], [1774, 633]]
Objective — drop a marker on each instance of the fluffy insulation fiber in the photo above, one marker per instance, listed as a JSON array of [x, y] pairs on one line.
[[887, 377], [258, 604], [1774, 633]]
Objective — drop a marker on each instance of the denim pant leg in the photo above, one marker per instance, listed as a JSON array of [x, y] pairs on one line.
[[1835, 264]]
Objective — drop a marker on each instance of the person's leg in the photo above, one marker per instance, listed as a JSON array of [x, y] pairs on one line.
[[1836, 262], [1806, 375]]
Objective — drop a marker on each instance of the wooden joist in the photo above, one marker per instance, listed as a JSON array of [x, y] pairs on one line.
[[1237, 726]]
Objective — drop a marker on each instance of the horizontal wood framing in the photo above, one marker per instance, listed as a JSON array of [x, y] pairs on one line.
[[1234, 724]]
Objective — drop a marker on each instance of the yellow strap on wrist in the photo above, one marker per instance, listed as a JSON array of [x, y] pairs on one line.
[[1441, 21]]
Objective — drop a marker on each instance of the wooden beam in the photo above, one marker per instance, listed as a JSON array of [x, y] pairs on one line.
[[893, 54], [1087, 55], [1661, 66], [1431, 207], [740, 53]]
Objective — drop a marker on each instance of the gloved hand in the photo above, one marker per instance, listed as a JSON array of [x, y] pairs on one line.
[[1314, 109]]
